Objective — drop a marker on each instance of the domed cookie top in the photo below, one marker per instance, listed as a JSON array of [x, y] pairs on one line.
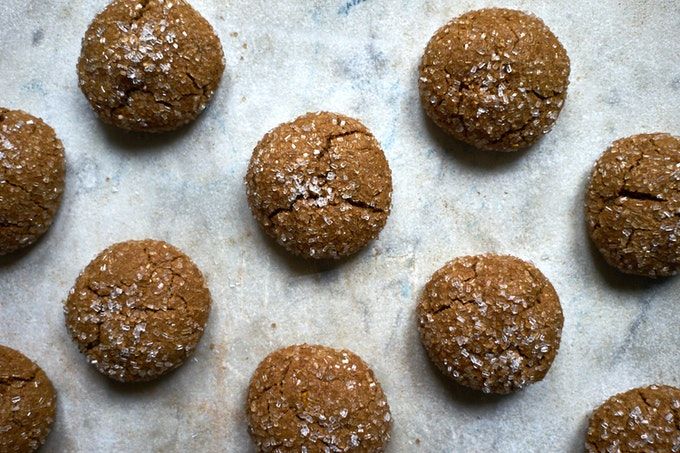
[[320, 185], [492, 323], [494, 78], [150, 65], [32, 171], [314, 398], [138, 310], [641, 420], [27, 403], [633, 205]]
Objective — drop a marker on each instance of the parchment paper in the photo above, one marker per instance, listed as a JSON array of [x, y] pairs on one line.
[[357, 57]]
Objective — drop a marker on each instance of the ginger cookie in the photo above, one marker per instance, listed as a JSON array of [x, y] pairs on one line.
[[138, 310], [492, 323], [633, 205], [314, 398], [494, 78], [320, 185], [32, 169], [150, 65], [645, 419], [27, 403]]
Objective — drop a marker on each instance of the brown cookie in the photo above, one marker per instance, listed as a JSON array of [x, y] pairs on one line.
[[32, 168], [27, 403], [494, 78], [320, 185], [150, 65], [645, 419], [491, 323], [138, 310], [311, 398], [633, 205]]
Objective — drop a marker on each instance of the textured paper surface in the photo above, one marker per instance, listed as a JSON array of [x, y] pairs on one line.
[[360, 58]]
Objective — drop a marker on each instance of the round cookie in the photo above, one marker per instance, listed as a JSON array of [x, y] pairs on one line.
[[644, 419], [32, 169], [314, 398], [494, 78], [149, 65], [320, 185], [138, 310], [633, 205], [27, 403], [490, 322]]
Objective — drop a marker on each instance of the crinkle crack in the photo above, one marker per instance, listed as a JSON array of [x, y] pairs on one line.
[[323, 179]]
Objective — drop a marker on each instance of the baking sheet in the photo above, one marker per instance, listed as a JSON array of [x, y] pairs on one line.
[[357, 57]]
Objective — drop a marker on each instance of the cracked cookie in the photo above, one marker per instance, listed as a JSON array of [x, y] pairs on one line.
[[27, 403], [490, 322], [633, 205], [32, 169], [645, 419], [314, 398], [494, 78], [320, 185], [138, 310], [150, 65]]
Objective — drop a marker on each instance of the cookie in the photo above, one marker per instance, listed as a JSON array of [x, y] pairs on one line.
[[492, 323], [138, 310], [645, 419], [320, 185], [149, 65], [494, 78], [310, 398], [27, 403], [633, 205], [32, 169]]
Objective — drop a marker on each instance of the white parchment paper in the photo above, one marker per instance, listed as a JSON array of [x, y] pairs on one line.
[[285, 58]]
